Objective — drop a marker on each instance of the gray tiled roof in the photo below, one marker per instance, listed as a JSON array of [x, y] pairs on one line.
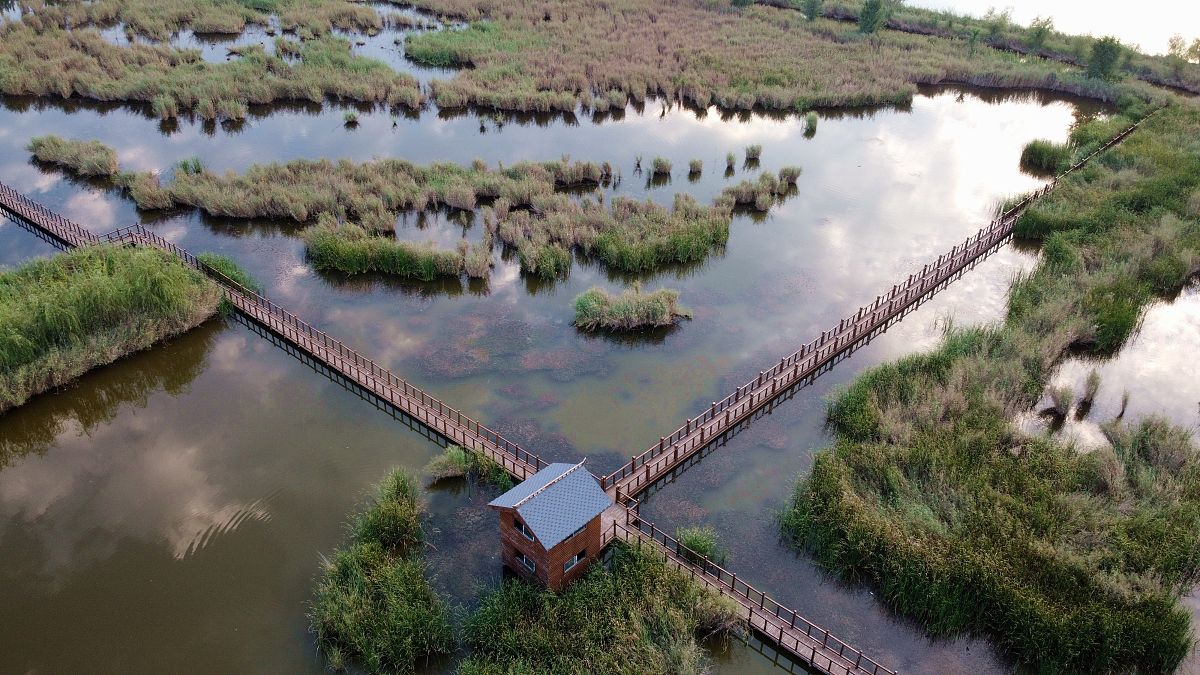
[[571, 497]]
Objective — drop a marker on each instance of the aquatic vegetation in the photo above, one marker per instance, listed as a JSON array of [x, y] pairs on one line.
[[695, 167], [637, 616], [85, 158], [350, 118], [810, 123], [231, 270], [596, 309], [79, 62], [374, 604], [1046, 157], [63, 316], [1068, 560], [351, 249], [730, 160], [701, 542], [660, 167], [788, 175], [753, 153], [459, 462]]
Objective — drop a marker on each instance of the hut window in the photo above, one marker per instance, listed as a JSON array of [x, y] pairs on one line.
[[527, 562], [575, 561], [521, 527]]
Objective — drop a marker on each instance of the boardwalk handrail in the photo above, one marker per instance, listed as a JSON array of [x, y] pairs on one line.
[[758, 604], [848, 332]]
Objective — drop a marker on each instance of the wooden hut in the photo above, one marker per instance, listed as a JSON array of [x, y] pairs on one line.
[[550, 524]]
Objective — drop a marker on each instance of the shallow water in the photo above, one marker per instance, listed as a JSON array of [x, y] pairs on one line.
[[184, 523]]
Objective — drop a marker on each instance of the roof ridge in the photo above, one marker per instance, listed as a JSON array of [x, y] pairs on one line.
[[542, 489]]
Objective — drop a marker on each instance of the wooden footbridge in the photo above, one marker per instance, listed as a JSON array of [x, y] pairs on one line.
[[802, 640]]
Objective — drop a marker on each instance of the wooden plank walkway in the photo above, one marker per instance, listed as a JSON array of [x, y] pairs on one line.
[[674, 450], [783, 627], [446, 421]]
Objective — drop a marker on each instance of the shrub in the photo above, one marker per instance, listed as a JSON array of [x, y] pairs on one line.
[[85, 158], [373, 601], [1105, 55], [596, 309], [871, 17]]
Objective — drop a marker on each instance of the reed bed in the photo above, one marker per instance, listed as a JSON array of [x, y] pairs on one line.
[[81, 63], [1069, 559], [597, 309], [1046, 157], [350, 249], [63, 316], [374, 605], [84, 158], [704, 54], [636, 616], [231, 270], [459, 462]]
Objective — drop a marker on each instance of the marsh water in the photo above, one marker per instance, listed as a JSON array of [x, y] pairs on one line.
[[169, 512]]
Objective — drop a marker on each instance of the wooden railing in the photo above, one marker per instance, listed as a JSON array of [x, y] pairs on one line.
[[644, 469]]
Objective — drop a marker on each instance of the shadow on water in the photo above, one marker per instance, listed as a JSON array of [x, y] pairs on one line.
[[170, 367]]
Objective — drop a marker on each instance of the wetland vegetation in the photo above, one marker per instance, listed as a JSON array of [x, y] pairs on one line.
[[1070, 558], [61, 317], [374, 604], [597, 309]]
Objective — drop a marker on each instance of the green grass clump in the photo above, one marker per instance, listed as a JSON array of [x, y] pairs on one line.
[[63, 316], [810, 123], [230, 269], [459, 462], [85, 158], [1046, 157], [1070, 559], [695, 167], [597, 309], [661, 167], [374, 603], [753, 153], [351, 249], [700, 542], [639, 616]]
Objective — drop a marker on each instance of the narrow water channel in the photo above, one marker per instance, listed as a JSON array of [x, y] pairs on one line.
[[169, 512]]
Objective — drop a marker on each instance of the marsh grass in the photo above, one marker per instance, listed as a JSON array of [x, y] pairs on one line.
[[84, 158], [1046, 158], [351, 249], [753, 153], [810, 124], [695, 167], [81, 309], [1070, 561], [374, 604], [701, 542], [636, 617], [226, 266], [459, 462], [596, 309], [79, 62], [660, 167]]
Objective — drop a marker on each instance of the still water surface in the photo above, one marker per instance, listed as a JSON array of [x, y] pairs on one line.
[[169, 512]]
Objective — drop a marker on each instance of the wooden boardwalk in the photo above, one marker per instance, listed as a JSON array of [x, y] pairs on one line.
[[672, 451], [446, 421]]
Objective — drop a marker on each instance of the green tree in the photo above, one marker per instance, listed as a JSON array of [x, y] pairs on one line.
[[812, 9], [1106, 54], [997, 23], [1040, 29], [1193, 52], [871, 17], [1177, 46]]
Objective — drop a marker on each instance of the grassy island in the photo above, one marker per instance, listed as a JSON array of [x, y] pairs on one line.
[[638, 616], [597, 309], [374, 604], [1069, 558], [63, 316], [84, 158]]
